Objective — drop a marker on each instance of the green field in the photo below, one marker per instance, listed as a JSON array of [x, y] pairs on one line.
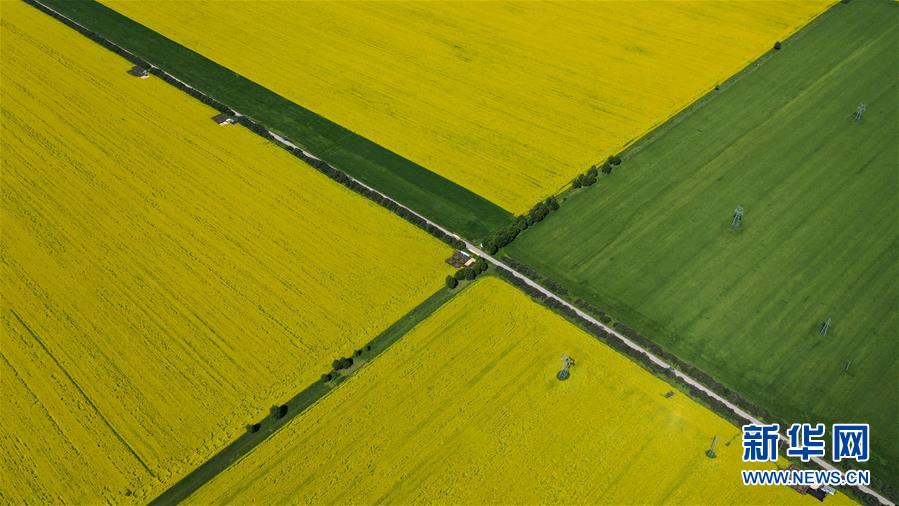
[[428, 193], [651, 243]]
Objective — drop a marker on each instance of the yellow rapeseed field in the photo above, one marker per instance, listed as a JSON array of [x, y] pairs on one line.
[[165, 280], [510, 100], [466, 409]]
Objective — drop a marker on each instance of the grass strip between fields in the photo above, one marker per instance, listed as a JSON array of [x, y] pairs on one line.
[[244, 444], [426, 192]]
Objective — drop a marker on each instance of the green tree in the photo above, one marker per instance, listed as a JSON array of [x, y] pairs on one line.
[[552, 204]]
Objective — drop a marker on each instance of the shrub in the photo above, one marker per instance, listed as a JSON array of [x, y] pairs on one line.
[[777, 46], [521, 224], [584, 179], [552, 204], [327, 377], [451, 282], [282, 411], [552, 286], [342, 363], [537, 213], [607, 168], [614, 160], [255, 428]]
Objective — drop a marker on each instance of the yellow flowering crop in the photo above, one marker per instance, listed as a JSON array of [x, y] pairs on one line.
[[510, 100], [165, 280], [466, 409]]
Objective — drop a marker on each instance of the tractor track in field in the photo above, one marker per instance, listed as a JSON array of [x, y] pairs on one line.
[[530, 282]]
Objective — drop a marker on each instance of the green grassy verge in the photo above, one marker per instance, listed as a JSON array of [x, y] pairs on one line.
[[430, 194], [651, 243], [299, 403]]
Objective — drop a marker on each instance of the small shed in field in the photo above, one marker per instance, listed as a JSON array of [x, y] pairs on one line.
[[138, 71], [224, 119]]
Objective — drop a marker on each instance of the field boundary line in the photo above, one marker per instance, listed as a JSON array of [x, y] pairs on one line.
[[660, 127], [640, 142]]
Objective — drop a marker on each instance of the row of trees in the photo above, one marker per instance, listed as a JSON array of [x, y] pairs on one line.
[[343, 363], [594, 311], [589, 178], [554, 287], [507, 234]]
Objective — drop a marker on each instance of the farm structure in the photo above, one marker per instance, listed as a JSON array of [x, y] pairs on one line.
[[223, 119], [461, 259], [139, 72]]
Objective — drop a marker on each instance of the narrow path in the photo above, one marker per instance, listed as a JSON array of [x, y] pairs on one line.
[[549, 294]]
